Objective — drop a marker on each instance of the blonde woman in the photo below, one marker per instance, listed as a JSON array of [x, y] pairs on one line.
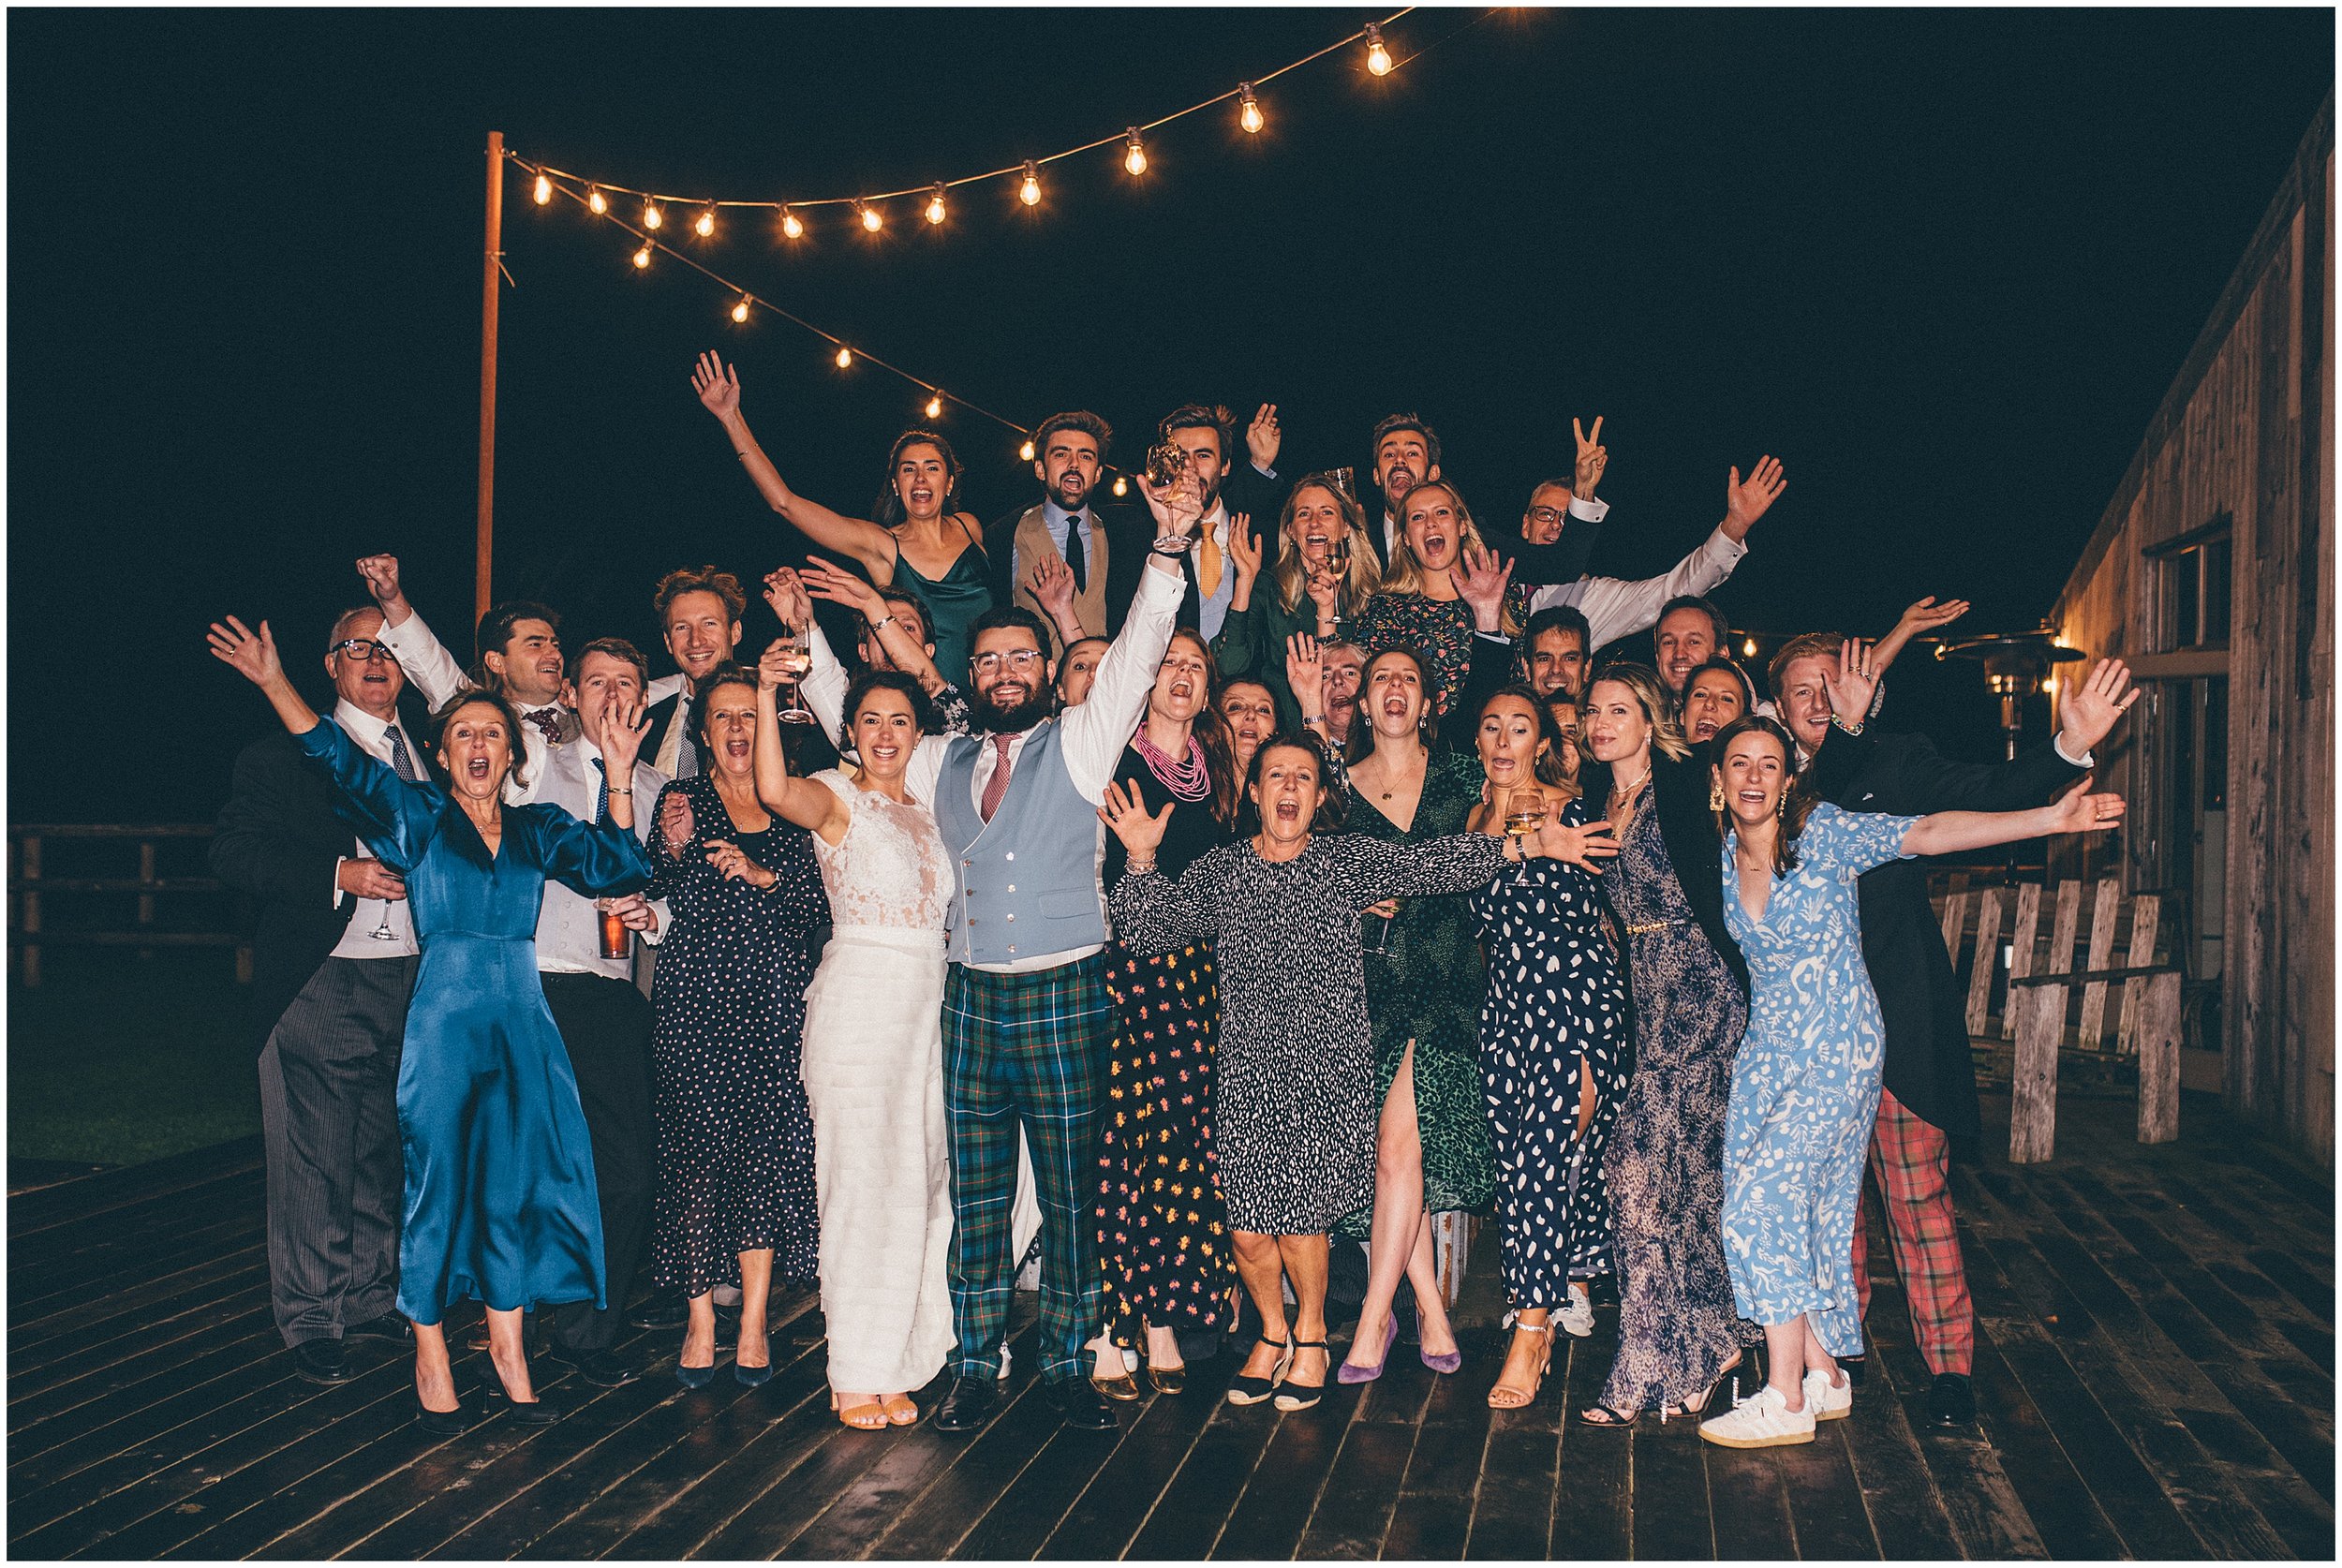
[[1324, 572]]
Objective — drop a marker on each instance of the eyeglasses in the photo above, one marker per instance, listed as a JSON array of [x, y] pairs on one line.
[[364, 648], [1018, 662], [1546, 514]]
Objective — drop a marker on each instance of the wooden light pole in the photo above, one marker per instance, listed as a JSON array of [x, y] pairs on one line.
[[492, 262]]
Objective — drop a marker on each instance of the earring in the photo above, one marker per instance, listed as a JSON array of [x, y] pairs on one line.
[[1715, 794]]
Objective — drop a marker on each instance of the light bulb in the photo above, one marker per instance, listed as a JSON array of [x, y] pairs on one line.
[[652, 216], [1377, 57], [1024, 451], [642, 257], [935, 406], [870, 217], [596, 200], [705, 224], [1748, 647], [740, 311], [845, 357], [1122, 485], [791, 225], [1250, 115], [1135, 159], [935, 206], [543, 192], [1030, 192]]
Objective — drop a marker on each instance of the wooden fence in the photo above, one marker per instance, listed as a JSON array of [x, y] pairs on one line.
[[32, 890]]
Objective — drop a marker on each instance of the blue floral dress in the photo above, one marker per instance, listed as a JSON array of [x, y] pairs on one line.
[[1805, 1083]]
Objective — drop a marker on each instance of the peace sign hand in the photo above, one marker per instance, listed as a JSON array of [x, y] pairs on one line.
[[1593, 457]]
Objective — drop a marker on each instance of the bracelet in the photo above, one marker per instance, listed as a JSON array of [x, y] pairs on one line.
[[1172, 544], [884, 621], [1309, 719], [607, 790], [1853, 729], [1138, 867]]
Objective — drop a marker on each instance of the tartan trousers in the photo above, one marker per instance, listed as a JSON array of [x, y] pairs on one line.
[[1024, 1047], [1910, 1160]]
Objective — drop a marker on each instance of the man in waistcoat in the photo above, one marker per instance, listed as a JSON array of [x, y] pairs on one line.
[[1026, 1012]]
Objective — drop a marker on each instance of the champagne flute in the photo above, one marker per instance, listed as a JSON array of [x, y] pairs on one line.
[[796, 658], [383, 933], [1337, 562]]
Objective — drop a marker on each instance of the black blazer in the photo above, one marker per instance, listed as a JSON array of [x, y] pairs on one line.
[[1688, 828], [1929, 1066], [276, 841]]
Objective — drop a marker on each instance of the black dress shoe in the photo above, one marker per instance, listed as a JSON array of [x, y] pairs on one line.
[[602, 1368], [1081, 1405], [543, 1411], [388, 1326], [969, 1404], [320, 1361], [660, 1311], [442, 1423], [1951, 1401]]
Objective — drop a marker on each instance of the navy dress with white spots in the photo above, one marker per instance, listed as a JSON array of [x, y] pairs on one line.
[[736, 1135], [1555, 1015]]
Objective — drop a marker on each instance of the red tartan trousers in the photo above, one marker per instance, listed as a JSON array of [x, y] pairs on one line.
[[1910, 1160]]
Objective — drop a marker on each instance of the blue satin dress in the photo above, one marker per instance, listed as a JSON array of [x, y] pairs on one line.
[[500, 1201]]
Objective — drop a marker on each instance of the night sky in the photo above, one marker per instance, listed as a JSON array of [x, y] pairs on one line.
[[1944, 265]]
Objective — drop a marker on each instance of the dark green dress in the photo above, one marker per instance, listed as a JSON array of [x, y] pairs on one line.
[[1428, 988]]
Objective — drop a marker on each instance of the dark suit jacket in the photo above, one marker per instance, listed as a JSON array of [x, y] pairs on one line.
[[1929, 1066], [1688, 828], [1127, 531], [275, 841]]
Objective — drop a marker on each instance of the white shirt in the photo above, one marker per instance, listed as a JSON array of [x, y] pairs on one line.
[[1615, 608], [438, 677], [1092, 735], [373, 737], [568, 928]]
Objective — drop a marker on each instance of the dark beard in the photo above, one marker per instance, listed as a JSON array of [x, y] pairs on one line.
[[1012, 721]]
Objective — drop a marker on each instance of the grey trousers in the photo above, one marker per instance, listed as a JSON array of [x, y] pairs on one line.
[[329, 1120]]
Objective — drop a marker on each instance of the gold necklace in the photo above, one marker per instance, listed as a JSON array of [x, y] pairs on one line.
[[1618, 794]]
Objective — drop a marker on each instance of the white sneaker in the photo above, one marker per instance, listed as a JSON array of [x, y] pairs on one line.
[[1763, 1420], [1827, 1402], [1576, 1319]]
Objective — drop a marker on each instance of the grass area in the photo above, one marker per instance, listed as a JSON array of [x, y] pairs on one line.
[[118, 1060]]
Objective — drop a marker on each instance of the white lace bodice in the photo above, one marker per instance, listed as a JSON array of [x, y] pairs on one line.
[[891, 868]]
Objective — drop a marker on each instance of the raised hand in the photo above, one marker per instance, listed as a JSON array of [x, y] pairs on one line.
[[1305, 672], [1483, 584], [1262, 438], [1927, 614], [676, 822], [772, 669], [1125, 811], [1244, 548], [1325, 589], [252, 656], [1744, 501], [821, 580], [717, 384], [1593, 457], [2078, 812], [2092, 709], [381, 576], [1585, 846], [784, 590], [617, 730], [1051, 581], [1853, 684]]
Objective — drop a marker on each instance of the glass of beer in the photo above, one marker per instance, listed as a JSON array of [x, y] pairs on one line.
[[796, 657], [617, 941]]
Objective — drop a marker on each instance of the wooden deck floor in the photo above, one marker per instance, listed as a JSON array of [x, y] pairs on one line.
[[2154, 1363]]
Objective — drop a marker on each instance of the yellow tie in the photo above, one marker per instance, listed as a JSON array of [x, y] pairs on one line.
[[1207, 565]]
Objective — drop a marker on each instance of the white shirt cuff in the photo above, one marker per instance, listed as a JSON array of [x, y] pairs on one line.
[[2084, 760], [1587, 508], [338, 894]]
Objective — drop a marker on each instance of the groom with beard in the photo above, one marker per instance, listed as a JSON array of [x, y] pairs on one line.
[[1026, 1011]]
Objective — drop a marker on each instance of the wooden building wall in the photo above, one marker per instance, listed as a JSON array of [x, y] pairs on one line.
[[2246, 435]]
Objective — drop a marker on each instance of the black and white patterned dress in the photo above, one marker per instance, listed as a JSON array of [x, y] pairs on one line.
[[1555, 1015], [1296, 1065]]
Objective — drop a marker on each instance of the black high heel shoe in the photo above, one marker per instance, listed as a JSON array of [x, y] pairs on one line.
[[442, 1423], [539, 1412]]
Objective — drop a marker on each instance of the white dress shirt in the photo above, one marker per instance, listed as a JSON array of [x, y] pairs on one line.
[[1092, 734], [438, 677], [1615, 608], [373, 737], [569, 927]]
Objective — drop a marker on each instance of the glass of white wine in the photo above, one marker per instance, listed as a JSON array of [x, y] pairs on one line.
[[1524, 813], [796, 658]]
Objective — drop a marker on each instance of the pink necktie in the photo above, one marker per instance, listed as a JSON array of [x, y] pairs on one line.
[[996, 786]]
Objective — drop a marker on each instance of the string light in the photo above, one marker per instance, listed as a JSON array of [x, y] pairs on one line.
[[1122, 485], [1135, 159], [1249, 117], [935, 406], [705, 224], [1024, 451], [597, 202], [642, 257], [1377, 57], [652, 215], [871, 219], [740, 311], [1748, 647], [845, 357], [791, 225], [1030, 192], [935, 206], [544, 190]]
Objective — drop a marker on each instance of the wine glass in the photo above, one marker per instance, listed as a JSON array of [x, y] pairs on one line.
[[383, 933], [796, 657], [1380, 945], [1337, 562], [1524, 813]]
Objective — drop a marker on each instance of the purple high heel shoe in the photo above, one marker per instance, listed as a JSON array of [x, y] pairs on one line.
[[1447, 1363], [1349, 1374]]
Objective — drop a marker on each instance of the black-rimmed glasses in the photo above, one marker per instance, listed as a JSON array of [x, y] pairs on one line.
[[362, 648]]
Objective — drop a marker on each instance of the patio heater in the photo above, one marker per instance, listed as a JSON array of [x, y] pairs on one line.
[[2017, 665]]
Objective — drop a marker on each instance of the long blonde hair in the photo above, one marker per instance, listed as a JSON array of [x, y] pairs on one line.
[[1666, 732], [1406, 575], [1293, 572]]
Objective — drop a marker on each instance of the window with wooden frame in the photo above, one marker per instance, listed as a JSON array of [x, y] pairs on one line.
[[2192, 586]]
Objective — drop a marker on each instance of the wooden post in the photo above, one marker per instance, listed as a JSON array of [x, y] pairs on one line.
[[28, 924], [1987, 958], [2061, 952], [146, 900], [2103, 911], [2146, 913], [1955, 920], [492, 263], [2040, 1012], [2021, 953], [2159, 1059]]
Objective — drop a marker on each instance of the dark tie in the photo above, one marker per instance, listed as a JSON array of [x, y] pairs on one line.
[[601, 792], [401, 762], [996, 786], [548, 720], [687, 754], [1074, 555]]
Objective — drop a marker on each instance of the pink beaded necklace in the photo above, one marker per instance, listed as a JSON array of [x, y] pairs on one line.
[[1189, 778]]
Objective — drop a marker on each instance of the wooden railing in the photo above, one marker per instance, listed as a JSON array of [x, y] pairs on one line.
[[32, 889]]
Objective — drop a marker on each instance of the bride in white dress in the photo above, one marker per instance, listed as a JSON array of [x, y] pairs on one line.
[[873, 1062]]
